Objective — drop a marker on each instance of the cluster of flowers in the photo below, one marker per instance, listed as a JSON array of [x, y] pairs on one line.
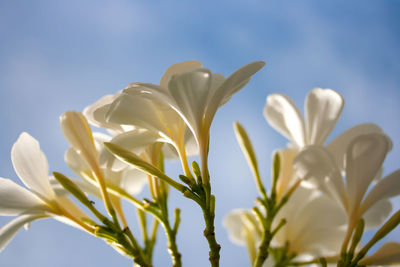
[[316, 210], [329, 186]]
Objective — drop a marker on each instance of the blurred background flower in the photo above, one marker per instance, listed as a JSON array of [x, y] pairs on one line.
[[58, 56]]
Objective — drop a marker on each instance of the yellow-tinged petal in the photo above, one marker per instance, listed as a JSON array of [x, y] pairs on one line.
[[387, 254], [77, 131]]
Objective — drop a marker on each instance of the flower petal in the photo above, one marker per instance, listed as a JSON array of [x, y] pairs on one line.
[[135, 141], [386, 188], [230, 86], [190, 91], [316, 166], [15, 199], [236, 222], [78, 133], [283, 115], [131, 108], [314, 223], [377, 213], [286, 173], [96, 113], [364, 158], [31, 165], [9, 230], [387, 254], [323, 108], [179, 68], [338, 146], [133, 181], [75, 162]]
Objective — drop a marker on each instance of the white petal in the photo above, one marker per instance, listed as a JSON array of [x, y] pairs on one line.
[[75, 162], [179, 68], [78, 133], [133, 181], [364, 158], [230, 86], [317, 166], [95, 113], [323, 108], [31, 165], [387, 254], [15, 199], [135, 141], [314, 223], [377, 214], [9, 230], [282, 114], [190, 91], [338, 146], [130, 108], [386, 188], [234, 223]]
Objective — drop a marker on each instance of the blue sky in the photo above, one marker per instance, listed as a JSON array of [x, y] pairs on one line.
[[64, 55]]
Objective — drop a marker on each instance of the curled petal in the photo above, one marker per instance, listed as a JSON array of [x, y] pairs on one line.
[[132, 109], [283, 115], [323, 108], [338, 146], [387, 254], [179, 68], [96, 113], [364, 159], [9, 230], [230, 86], [31, 165]]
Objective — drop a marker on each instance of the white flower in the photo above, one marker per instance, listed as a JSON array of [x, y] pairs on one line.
[[364, 158], [322, 110], [40, 201], [314, 226], [195, 94], [129, 109]]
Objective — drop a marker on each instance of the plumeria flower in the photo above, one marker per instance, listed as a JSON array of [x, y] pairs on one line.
[[364, 158], [40, 201], [322, 110], [314, 227], [128, 110], [195, 94]]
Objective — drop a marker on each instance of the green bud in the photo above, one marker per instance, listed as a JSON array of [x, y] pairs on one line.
[[184, 179], [133, 159], [72, 188], [276, 170]]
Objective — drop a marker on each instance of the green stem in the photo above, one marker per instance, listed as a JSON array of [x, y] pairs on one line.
[[209, 232], [176, 257]]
